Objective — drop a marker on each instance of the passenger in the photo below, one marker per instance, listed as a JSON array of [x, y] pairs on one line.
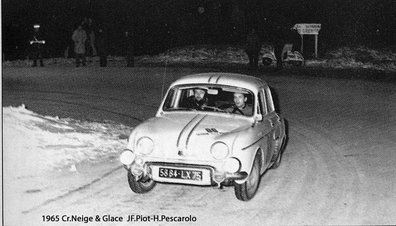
[[198, 101], [240, 106]]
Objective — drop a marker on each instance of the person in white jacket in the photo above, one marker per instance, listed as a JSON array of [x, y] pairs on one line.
[[79, 37]]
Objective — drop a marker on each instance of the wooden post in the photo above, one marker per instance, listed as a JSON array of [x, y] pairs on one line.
[[316, 46], [302, 44]]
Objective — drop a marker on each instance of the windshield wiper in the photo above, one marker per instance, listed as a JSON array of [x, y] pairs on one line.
[[181, 109]]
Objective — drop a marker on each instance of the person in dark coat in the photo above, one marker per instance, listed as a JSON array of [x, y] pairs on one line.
[[130, 50], [253, 46], [281, 34], [37, 44], [102, 47], [198, 101]]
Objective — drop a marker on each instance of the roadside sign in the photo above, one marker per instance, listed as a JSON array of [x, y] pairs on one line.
[[307, 29]]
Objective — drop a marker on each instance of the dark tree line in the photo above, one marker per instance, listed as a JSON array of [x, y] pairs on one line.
[[161, 24]]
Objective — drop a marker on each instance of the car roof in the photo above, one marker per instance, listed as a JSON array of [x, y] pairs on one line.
[[219, 78]]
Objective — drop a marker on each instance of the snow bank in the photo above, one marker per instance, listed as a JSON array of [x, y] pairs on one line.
[[200, 54], [361, 57], [208, 55], [34, 143]]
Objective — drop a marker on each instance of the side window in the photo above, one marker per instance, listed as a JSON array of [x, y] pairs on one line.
[[270, 103], [169, 101], [262, 103]]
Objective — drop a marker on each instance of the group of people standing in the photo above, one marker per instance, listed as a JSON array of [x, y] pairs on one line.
[[85, 41], [87, 37], [90, 40]]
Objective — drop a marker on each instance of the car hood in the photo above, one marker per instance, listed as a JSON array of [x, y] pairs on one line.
[[190, 136]]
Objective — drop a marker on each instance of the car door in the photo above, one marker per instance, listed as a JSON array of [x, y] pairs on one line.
[[272, 116], [264, 127], [276, 136]]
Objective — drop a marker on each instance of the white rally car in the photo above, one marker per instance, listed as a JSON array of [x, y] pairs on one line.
[[209, 145]]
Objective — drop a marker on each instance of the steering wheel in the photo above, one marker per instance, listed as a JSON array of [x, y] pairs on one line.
[[225, 106], [213, 108]]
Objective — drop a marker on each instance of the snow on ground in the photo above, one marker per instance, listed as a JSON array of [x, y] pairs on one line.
[[46, 157], [42, 143], [338, 167], [344, 57]]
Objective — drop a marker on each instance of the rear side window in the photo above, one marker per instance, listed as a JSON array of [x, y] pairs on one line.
[[270, 103], [262, 103]]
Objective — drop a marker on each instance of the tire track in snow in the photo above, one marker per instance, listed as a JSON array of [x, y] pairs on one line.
[[72, 192], [83, 95], [92, 107], [339, 174]]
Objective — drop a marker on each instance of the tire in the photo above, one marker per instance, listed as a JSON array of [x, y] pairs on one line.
[[140, 186], [248, 189]]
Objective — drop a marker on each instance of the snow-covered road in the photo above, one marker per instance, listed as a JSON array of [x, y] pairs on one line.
[[338, 167]]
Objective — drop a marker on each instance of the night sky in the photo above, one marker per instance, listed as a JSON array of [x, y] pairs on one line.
[[161, 24]]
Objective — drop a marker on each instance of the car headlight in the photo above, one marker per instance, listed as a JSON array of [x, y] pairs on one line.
[[232, 165], [219, 150], [127, 157], [144, 146]]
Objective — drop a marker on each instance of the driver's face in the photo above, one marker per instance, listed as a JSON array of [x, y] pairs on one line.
[[239, 100], [199, 94]]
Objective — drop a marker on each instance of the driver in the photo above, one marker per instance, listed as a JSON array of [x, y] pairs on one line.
[[198, 101], [240, 106]]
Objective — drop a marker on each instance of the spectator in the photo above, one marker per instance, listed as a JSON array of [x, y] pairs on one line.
[[79, 37], [69, 51], [253, 46], [102, 47], [280, 36], [91, 38], [37, 44], [130, 55]]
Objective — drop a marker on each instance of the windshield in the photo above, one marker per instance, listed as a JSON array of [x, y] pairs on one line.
[[222, 99]]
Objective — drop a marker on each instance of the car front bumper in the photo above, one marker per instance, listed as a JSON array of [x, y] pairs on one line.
[[182, 173]]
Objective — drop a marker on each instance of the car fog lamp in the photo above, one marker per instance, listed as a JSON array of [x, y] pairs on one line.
[[232, 165], [127, 157], [144, 146], [219, 150]]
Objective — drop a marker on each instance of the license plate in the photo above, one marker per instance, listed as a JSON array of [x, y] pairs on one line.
[[183, 174]]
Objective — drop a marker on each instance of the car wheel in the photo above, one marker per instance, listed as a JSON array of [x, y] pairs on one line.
[[248, 189], [140, 186]]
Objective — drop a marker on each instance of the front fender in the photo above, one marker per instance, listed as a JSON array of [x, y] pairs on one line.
[[246, 157]]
